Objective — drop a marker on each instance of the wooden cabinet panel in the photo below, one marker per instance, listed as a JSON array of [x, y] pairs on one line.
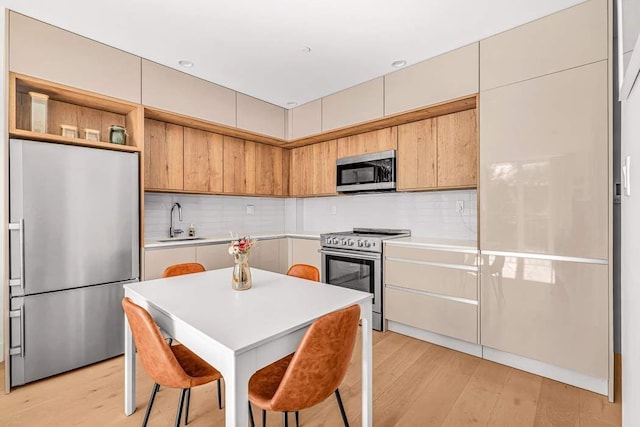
[[213, 257], [258, 116], [155, 261], [41, 50], [304, 251], [301, 175], [417, 155], [544, 168], [239, 166], [203, 155], [567, 39], [286, 170], [457, 149], [442, 316], [163, 149], [548, 310], [174, 91], [369, 142], [357, 104], [324, 168], [268, 174], [306, 119], [448, 76]]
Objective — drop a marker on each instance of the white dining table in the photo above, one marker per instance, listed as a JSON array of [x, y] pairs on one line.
[[239, 332]]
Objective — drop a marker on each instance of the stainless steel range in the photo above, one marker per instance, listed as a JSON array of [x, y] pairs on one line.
[[353, 259]]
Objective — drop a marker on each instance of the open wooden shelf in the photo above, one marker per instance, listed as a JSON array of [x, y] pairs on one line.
[[74, 107], [36, 136]]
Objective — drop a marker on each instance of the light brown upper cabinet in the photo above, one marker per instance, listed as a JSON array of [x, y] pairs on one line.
[[369, 142], [47, 52], [268, 175], [301, 175], [163, 155], [203, 155], [417, 155], [356, 104], [458, 149], [313, 169], [258, 116], [239, 166], [438, 153]]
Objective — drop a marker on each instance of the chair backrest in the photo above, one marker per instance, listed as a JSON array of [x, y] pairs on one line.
[[304, 271], [320, 362], [180, 269], [153, 351]]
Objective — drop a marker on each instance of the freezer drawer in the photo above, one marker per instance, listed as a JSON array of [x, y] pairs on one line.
[[59, 331]]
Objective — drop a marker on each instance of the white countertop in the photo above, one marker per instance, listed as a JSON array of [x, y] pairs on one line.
[[225, 238], [436, 243]]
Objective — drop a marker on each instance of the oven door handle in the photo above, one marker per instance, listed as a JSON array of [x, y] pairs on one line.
[[350, 255]]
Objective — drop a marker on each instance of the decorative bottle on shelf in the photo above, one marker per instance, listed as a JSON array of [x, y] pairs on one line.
[[192, 231]]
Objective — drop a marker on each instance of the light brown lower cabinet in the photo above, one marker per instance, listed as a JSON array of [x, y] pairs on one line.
[[156, 260], [433, 290], [551, 311], [270, 255], [304, 251], [214, 256]]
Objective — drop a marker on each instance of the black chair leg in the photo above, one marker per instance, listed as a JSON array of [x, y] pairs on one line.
[[264, 418], [344, 415], [297, 419], [285, 419], [154, 390], [183, 392], [219, 395], [186, 412], [253, 424]]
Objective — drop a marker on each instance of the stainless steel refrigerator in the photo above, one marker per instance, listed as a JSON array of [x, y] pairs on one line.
[[74, 242]]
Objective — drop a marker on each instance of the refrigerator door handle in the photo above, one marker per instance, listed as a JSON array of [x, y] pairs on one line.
[[15, 351], [20, 227]]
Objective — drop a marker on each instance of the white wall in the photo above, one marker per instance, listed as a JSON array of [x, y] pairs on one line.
[[426, 214], [3, 162], [212, 215], [630, 242]]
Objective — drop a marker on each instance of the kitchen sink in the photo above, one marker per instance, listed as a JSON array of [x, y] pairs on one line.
[[180, 239]]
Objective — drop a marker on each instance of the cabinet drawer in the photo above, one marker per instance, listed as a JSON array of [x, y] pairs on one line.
[[456, 281], [459, 257], [443, 316], [213, 257]]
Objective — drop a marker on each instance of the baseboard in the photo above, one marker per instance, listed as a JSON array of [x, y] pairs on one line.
[[432, 337], [567, 376]]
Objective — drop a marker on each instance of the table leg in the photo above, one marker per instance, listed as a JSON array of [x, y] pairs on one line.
[[367, 364], [129, 370], [236, 383]]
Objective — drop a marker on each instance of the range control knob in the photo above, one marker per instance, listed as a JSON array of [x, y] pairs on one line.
[[350, 242], [367, 244], [343, 242], [360, 243]]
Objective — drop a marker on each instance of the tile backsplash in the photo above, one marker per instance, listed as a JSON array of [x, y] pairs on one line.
[[212, 215], [426, 214]]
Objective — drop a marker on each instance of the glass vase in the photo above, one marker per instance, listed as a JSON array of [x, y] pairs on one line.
[[241, 280]]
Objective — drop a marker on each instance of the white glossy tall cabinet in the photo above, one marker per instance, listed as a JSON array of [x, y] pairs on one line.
[[545, 199]]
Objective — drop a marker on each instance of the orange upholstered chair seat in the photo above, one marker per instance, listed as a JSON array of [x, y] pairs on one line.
[[180, 269]]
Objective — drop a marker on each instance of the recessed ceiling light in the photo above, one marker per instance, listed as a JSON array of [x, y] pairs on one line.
[[305, 49], [292, 104], [185, 63], [399, 63]]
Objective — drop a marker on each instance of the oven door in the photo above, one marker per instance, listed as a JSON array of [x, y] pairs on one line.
[[354, 270]]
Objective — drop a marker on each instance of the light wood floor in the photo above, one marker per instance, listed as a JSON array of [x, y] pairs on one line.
[[415, 384]]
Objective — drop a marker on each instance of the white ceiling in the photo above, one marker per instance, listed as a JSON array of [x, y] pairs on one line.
[[255, 46]]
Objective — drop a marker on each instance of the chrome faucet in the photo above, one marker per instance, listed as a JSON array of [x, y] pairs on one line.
[[175, 231]]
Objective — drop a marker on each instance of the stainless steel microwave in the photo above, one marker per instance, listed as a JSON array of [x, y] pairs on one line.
[[367, 172]]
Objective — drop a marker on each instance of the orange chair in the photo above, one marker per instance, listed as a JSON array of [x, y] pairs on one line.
[[170, 366], [314, 372], [304, 271], [180, 269]]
